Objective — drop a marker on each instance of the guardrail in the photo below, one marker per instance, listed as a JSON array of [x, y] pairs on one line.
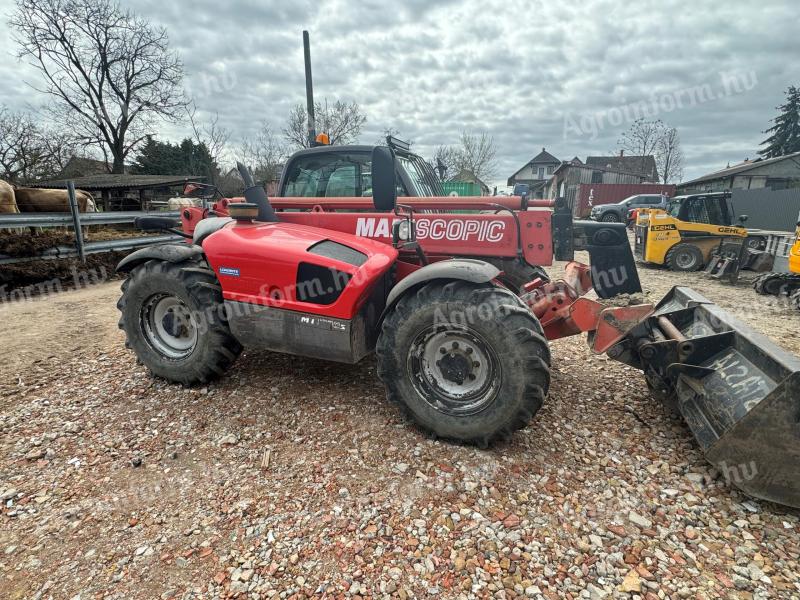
[[77, 220], [65, 219], [120, 245]]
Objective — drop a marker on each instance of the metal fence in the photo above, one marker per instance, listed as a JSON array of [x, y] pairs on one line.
[[77, 220], [776, 210]]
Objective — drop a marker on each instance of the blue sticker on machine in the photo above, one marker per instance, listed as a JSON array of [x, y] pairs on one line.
[[229, 271]]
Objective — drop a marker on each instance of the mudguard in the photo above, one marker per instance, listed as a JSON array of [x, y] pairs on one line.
[[610, 256], [173, 253], [737, 390], [465, 269]]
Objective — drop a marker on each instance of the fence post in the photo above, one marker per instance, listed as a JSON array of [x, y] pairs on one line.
[[76, 220]]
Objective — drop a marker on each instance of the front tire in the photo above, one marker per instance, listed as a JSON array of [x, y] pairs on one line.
[[174, 320], [684, 257], [467, 362], [609, 218]]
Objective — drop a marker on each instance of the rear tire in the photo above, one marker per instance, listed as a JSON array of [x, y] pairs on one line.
[[609, 218], [174, 320], [467, 362], [777, 284], [684, 257]]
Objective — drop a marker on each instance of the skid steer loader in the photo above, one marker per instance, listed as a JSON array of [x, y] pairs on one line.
[[683, 235], [461, 348]]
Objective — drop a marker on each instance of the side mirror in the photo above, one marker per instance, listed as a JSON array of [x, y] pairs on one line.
[[743, 218], [384, 178]]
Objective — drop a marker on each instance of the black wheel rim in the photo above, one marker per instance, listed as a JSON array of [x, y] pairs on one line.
[[454, 370], [685, 260]]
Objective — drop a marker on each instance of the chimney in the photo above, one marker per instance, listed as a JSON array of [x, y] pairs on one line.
[[542, 148], [621, 152]]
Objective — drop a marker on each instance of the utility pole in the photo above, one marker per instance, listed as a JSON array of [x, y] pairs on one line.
[[312, 127]]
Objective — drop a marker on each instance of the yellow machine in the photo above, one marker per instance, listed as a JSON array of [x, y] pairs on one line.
[[784, 283], [683, 235], [794, 253]]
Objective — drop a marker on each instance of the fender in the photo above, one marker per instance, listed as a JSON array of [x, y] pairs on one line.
[[464, 269], [173, 253]]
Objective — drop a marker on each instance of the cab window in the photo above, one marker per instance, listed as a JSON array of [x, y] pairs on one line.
[[420, 184], [331, 175]]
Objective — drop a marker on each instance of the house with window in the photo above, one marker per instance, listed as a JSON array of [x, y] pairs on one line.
[[779, 173], [642, 165], [536, 173], [569, 176]]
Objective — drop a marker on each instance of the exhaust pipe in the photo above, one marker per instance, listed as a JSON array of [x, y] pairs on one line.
[[255, 194]]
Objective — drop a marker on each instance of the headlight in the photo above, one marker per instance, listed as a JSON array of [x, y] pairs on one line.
[[403, 231]]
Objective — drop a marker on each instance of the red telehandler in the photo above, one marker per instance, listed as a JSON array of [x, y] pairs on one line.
[[461, 341]]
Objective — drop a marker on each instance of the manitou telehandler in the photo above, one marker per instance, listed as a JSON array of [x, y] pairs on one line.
[[460, 347]]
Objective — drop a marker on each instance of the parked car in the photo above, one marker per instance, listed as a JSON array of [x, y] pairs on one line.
[[618, 213]]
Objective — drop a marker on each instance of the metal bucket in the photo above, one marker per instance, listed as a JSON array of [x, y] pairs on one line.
[[737, 390]]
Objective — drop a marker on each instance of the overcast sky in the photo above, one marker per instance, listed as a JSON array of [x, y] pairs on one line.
[[566, 76]]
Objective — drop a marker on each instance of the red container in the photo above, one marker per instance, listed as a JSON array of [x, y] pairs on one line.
[[595, 194]]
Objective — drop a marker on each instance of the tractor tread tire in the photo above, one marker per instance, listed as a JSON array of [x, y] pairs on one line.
[[525, 357], [671, 261], [794, 299], [197, 287], [777, 284]]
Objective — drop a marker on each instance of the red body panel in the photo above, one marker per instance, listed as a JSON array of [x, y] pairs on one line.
[[258, 264], [267, 255], [447, 233]]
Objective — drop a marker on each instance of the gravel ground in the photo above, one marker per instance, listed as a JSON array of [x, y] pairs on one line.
[[293, 478]]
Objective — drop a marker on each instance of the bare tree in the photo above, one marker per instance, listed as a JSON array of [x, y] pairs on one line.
[[341, 121], [476, 155], [19, 146], [669, 156], [263, 154], [29, 152], [642, 137], [444, 162], [214, 136], [654, 138], [110, 73]]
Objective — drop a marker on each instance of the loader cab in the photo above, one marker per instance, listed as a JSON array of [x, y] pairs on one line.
[[709, 209], [684, 234], [346, 172]]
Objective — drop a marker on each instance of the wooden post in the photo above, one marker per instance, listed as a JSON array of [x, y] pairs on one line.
[[76, 220]]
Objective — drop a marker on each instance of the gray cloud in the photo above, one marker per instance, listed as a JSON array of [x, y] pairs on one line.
[[516, 69]]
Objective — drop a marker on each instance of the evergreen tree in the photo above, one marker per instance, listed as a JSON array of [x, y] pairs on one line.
[[785, 133], [165, 158]]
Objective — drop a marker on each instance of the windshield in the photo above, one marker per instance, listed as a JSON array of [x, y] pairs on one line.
[[674, 208], [417, 176]]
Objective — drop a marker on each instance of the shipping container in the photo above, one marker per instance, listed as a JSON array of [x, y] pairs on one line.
[[596, 194], [461, 188]]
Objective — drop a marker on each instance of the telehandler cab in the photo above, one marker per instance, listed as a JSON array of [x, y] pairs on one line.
[[461, 347]]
